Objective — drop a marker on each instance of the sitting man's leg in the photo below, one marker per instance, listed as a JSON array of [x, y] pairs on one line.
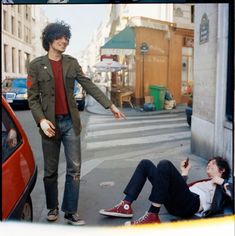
[[168, 188], [144, 170]]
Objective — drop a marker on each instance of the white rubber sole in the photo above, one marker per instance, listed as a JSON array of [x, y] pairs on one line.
[[79, 223], [116, 214], [52, 218]]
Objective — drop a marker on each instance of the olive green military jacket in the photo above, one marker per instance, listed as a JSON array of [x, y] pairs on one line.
[[41, 89]]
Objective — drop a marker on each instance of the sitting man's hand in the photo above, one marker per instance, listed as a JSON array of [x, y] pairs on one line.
[[117, 114], [184, 169], [47, 127]]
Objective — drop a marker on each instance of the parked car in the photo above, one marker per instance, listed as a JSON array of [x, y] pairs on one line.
[[19, 171], [15, 91], [80, 95]]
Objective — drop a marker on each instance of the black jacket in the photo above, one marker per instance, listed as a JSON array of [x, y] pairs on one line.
[[220, 200]]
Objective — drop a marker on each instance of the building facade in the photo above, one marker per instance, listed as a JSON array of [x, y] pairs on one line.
[[21, 30], [212, 120]]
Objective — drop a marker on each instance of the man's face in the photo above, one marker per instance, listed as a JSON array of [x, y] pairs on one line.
[[59, 44], [213, 170]]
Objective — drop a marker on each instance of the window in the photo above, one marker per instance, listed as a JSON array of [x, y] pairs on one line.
[[19, 9], [5, 58], [187, 71], [27, 12], [192, 14], [13, 25], [13, 51], [26, 60], [4, 20], [11, 138], [19, 29], [19, 61], [27, 37]]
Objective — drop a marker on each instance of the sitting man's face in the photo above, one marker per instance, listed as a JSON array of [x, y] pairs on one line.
[[213, 170]]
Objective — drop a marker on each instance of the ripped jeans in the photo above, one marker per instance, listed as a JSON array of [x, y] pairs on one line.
[[51, 152]]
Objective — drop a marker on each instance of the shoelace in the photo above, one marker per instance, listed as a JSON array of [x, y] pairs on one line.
[[143, 218], [53, 212], [119, 204], [76, 217]]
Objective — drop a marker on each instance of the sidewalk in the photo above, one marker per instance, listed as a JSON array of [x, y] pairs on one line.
[[103, 177], [94, 107]]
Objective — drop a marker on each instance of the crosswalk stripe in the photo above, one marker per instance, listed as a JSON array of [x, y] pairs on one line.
[[95, 133], [139, 122], [101, 119], [139, 140]]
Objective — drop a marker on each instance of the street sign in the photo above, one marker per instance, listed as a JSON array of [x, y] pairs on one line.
[[144, 47]]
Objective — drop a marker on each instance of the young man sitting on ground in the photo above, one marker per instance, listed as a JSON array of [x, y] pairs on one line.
[[170, 189]]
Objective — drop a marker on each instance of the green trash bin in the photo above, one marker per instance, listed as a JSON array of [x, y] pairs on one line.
[[158, 92]]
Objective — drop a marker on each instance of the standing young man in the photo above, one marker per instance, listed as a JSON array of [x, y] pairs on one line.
[[50, 84]]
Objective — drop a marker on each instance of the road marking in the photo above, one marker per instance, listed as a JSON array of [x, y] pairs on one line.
[[96, 133], [139, 140], [101, 119], [127, 122]]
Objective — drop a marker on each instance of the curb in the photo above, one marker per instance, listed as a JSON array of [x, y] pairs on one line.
[[127, 112]]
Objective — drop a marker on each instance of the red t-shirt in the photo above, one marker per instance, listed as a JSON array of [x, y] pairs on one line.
[[61, 103]]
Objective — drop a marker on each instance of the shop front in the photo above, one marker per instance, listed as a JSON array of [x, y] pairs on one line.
[[156, 53]]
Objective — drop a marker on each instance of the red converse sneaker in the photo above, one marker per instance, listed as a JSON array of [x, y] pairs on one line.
[[147, 218], [123, 209]]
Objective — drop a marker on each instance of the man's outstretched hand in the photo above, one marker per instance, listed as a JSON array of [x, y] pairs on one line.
[[116, 113]]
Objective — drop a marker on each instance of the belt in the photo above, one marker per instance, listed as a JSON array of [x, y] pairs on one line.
[[62, 116]]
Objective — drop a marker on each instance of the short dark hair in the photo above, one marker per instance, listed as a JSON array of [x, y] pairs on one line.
[[55, 31], [223, 165]]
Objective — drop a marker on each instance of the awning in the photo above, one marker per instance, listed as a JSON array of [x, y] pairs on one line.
[[122, 43]]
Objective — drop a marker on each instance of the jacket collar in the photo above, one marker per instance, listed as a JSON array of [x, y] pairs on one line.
[[47, 65]]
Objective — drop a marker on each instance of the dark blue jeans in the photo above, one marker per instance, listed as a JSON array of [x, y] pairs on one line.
[[51, 152], [168, 187]]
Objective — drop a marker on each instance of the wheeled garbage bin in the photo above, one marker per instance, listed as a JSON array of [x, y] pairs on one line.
[[158, 93]]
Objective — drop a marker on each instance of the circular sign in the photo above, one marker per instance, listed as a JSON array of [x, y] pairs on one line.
[[144, 47]]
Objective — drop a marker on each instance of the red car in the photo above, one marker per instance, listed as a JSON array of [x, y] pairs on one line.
[[19, 171]]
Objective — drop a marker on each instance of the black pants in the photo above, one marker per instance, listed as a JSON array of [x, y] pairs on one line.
[[168, 187]]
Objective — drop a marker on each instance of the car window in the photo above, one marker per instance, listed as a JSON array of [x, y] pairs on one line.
[[19, 83], [11, 137], [14, 83]]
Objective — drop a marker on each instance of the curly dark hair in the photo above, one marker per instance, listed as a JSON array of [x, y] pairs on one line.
[[222, 164], [55, 31]]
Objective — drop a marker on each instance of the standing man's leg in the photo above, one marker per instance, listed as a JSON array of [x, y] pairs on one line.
[[51, 152], [72, 148]]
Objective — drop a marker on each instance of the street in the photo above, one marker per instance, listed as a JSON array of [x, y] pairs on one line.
[[111, 149]]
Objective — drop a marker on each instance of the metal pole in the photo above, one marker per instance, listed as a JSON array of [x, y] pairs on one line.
[[143, 79]]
